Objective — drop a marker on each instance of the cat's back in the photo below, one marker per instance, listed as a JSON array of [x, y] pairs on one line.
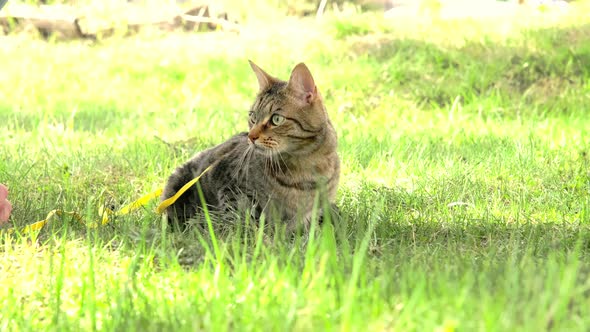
[[223, 159], [221, 155]]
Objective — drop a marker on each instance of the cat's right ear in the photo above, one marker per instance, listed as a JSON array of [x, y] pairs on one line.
[[264, 79]]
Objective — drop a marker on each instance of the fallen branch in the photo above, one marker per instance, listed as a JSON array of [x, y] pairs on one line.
[[223, 23], [59, 20], [46, 22]]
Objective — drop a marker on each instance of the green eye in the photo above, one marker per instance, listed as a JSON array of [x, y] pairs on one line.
[[277, 119]]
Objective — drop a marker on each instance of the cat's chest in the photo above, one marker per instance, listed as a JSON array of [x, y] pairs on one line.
[[295, 192]]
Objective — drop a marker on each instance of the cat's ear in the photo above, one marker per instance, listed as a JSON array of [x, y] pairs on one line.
[[302, 82], [264, 79]]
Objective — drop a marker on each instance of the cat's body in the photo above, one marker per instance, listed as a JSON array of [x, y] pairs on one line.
[[278, 168]]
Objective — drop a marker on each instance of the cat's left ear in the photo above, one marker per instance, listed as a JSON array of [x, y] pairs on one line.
[[302, 82], [264, 79]]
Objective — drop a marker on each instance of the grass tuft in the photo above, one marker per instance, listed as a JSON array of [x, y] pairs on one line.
[[463, 205]]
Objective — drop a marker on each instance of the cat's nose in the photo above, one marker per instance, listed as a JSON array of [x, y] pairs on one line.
[[253, 136]]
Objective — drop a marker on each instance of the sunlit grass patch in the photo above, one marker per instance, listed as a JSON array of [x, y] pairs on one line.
[[463, 200]]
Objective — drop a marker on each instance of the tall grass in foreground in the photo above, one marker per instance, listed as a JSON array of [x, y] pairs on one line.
[[464, 203]]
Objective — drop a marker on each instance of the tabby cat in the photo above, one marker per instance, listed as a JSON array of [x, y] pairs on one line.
[[277, 168]]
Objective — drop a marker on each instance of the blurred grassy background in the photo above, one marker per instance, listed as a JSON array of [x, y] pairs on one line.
[[465, 187]]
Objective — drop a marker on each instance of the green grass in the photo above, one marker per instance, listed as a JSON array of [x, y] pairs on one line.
[[465, 192]]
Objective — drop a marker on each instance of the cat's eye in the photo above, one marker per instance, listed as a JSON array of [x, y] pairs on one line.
[[251, 117], [277, 119]]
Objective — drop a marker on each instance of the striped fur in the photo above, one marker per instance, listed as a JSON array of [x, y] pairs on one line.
[[277, 168]]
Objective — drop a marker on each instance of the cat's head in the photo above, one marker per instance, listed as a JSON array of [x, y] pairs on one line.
[[287, 116]]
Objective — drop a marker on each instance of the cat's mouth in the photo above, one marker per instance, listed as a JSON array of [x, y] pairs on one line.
[[265, 148]]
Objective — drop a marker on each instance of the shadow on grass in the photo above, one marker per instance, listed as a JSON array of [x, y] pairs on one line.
[[396, 224]]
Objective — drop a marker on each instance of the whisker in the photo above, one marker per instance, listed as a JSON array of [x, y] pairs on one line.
[[277, 163], [238, 172], [284, 164], [266, 161], [272, 162], [250, 151]]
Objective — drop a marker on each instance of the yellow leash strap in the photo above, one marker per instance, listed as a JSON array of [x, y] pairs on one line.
[[106, 212], [167, 202], [39, 224], [142, 201]]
